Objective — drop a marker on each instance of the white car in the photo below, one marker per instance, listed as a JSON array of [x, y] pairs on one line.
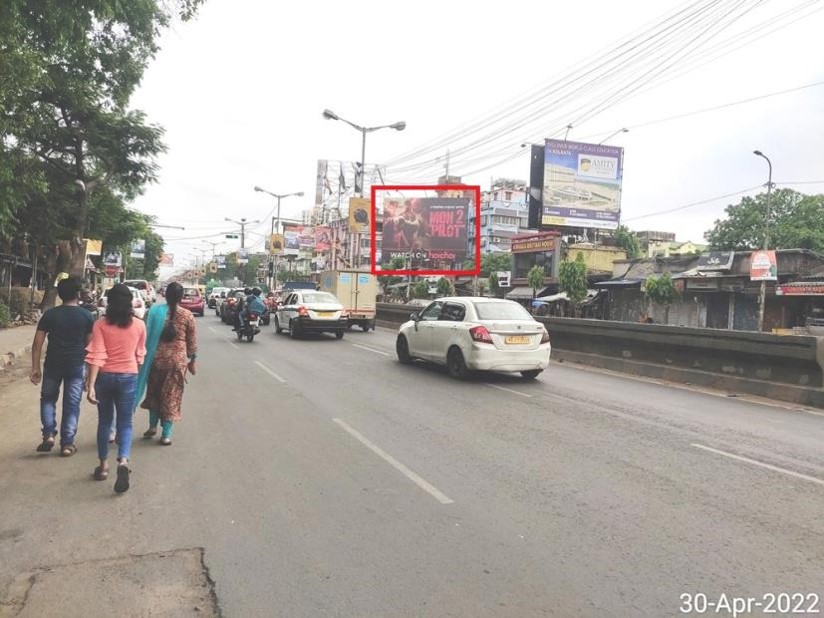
[[147, 290], [309, 311], [476, 334], [138, 303]]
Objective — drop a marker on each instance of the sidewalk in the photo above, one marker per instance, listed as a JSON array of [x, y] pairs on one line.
[[15, 347]]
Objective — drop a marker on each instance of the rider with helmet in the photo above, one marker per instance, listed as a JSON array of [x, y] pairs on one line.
[[251, 304]]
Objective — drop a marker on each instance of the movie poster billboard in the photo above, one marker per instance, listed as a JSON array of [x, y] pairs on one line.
[[425, 228], [582, 185], [763, 266], [323, 238]]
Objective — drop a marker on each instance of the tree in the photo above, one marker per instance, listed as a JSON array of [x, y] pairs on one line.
[[794, 223], [494, 286], [420, 289], [535, 279], [68, 136], [627, 240], [445, 287], [385, 281], [661, 290], [572, 277]]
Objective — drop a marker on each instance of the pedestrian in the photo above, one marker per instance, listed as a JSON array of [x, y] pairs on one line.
[[171, 351], [68, 328], [114, 356]]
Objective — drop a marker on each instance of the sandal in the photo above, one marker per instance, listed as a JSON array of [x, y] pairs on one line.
[[68, 450], [47, 445], [151, 432], [121, 485], [100, 474]]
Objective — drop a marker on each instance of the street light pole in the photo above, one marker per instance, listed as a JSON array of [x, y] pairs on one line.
[[762, 296], [273, 280], [397, 126], [624, 130]]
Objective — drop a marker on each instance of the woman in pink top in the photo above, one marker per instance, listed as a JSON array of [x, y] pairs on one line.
[[114, 356]]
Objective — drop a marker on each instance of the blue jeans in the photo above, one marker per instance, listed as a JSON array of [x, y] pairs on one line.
[[115, 391], [72, 378]]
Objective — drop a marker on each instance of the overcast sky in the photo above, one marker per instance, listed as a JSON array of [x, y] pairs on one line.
[[240, 92]]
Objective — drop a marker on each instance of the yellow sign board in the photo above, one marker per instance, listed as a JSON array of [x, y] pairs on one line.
[[276, 244], [94, 247], [360, 213]]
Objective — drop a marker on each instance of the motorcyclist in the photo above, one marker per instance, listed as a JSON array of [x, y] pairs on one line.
[[242, 302], [253, 303]]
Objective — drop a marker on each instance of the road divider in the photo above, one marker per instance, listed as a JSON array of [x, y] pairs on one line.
[[415, 478]]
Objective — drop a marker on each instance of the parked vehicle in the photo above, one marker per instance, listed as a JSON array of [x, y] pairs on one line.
[[476, 334], [213, 296], [251, 327], [146, 288], [308, 311], [193, 301], [357, 290]]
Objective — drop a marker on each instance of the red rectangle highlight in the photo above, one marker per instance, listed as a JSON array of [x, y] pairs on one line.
[[476, 192]]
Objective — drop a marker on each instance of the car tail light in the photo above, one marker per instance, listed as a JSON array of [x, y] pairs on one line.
[[303, 311], [479, 334], [545, 337]]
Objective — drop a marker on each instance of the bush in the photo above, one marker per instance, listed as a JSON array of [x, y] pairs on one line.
[[5, 316]]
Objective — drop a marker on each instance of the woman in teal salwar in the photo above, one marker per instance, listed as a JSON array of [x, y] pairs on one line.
[[171, 350]]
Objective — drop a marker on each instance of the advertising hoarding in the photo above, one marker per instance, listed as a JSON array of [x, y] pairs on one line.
[[763, 266], [111, 258], [291, 240], [582, 185], [433, 228], [323, 238], [167, 259], [138, 249], [359, 209], [276, 244]]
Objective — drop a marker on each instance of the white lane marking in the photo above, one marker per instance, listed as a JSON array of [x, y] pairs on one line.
[[755, 462], [508, 390], [270, 372], [213, 330], [363, 347], [231, 343], [420, 482]]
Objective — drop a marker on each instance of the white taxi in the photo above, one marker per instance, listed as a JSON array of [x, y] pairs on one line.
[[476, 334]]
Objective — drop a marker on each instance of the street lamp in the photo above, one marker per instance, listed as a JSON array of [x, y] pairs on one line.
[[624, 130], [278, 196], [397, 126], [242, 223], [762, 297]]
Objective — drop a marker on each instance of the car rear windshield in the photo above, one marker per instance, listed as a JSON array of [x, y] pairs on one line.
[[140, 285], [320, 297], [501, 311], [190, 292]]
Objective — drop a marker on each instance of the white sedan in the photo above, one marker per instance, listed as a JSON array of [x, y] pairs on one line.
[[307, 311], [138, 304], [476, 334]]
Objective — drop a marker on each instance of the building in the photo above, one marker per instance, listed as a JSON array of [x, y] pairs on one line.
[[504, 215], [648, 236], [668, 248]]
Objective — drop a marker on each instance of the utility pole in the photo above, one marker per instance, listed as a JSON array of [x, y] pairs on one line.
[[762, 296], [273, 260]]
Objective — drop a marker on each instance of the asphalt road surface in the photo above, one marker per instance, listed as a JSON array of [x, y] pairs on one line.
[[323, 478]]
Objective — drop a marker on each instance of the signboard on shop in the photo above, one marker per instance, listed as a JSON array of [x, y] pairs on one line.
[[534, 244]]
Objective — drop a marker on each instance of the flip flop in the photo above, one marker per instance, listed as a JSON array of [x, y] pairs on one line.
[[121, 485], [100, 474], [68, 450]]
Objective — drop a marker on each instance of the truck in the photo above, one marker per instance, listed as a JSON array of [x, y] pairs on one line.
[[357, 290]]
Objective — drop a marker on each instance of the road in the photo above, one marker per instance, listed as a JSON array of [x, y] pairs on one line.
[[323, 478]]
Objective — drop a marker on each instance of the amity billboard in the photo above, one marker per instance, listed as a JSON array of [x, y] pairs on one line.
[[582, 185]]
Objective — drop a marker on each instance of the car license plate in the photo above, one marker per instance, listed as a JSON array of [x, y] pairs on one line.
[[325, 314], [517, 340]]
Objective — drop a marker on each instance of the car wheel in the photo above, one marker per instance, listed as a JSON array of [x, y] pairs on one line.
[[402, 350], [531, 374], [339, 335], [365, 327], [456, 364], [293, 330], [278, 329]]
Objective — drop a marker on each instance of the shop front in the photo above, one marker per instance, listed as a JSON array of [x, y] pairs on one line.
[[542, 249]]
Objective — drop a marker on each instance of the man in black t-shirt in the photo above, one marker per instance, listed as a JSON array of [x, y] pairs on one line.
[[68, 328]]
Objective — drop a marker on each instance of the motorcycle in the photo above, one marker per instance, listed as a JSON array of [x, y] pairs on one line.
[[250, 328]]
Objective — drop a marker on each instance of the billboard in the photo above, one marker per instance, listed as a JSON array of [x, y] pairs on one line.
[[428, 228], [582, 185], [167, 259], [359, 208], [291, 240], [763, 266], [221, 261], [112, 258], [276, 243], [94, 247], [242, 256], [323, 238], [138, 249]]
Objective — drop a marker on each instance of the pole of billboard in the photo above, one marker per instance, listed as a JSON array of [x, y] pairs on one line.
[[762, 296]]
